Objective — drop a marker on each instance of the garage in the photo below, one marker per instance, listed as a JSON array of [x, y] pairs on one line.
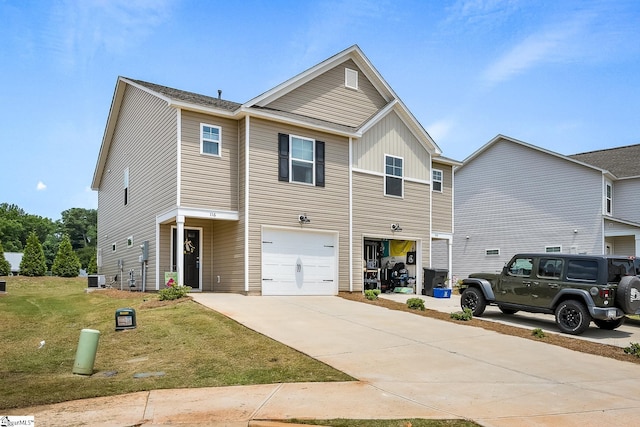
[[299, 262]]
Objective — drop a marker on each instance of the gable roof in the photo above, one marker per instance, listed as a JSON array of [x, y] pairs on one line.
[[500, 137], [623, 162]]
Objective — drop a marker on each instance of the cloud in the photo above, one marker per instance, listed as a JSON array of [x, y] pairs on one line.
[[41, 186], [440, 129]]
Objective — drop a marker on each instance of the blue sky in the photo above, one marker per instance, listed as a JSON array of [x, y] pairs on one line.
[[562, 75]]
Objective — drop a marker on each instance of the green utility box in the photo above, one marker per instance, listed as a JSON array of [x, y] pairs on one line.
[[125, 319], [86, 353]]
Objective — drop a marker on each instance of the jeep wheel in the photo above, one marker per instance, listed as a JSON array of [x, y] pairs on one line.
[[473, 299], [628, 294], [609, 325], [572, 317], [506, 310]]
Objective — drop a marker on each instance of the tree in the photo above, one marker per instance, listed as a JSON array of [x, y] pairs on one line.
[[5, 267], [92, 268], [81, 225], [33, 262], [66, 263]]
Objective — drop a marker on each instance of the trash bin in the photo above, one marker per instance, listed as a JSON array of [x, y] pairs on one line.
[[125, 319], [433, 278], [3, 286], [86, 353]]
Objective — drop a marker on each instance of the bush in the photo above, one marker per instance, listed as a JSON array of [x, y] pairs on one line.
[[633, 349], [33, 263], [172, 292], [415, 303], [66, 263], [465, 315], [372, 294], [5, 266], [538, 333]]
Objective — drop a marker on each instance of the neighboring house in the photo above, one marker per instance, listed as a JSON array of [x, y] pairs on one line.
[[515, 197], [293, 192], [14, 258]]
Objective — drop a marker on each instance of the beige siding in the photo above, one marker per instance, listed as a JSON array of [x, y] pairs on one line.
[[373, 214], [442, 214], [327, 98], [209, 182], [277, 203], [391, 136], [144, 121]]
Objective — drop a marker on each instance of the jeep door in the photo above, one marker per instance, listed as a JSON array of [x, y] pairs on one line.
[[516, 281], [548, 281]]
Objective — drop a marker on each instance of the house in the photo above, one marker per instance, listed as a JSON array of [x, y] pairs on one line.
[[512, 197], [319, 185], [14, 259]]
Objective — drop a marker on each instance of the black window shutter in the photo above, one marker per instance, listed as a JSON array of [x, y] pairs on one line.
[[319, 164], [283, 157]]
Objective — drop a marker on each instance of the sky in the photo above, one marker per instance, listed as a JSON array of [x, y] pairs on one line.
[[561, 75]]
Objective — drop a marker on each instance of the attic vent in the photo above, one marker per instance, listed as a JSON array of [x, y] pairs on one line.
[[350, 78]]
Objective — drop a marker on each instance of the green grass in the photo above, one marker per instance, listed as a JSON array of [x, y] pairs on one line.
[[193, 346]]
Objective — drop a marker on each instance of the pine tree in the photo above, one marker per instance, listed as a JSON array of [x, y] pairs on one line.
[[66, 263], [5, 267], [92, 268], [33, 262]]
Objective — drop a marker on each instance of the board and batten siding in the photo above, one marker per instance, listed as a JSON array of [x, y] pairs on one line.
[[442, 211], [276, 203], [373, 214], [326, 98], [209, 182], [625, 199], [518, 199], [391, 136], [144, 140]]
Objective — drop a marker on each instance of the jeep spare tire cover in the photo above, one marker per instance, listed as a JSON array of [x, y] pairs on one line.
[[628, 294]]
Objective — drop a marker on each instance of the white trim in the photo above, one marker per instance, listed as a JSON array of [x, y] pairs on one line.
[[486, 252], [198, 213], [180, 267], [157, 260], [382, 175], [312, 162], [441, 181], [246, 206], [350, 214], [350, 78], [547, 247], [203, 140], [606, 211], [178, 155]]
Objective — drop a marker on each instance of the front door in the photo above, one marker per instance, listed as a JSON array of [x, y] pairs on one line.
[[191, 252]]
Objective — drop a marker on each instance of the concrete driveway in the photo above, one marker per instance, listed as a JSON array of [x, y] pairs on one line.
[[445, 370]]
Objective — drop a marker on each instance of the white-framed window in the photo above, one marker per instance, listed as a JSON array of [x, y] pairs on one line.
[[210, 139], [436, 180], [608, 198], [555, 248], [302, 159], [130, 241], [113, 247], [126, 186], [350, 78], [393, 176], [492, 252]]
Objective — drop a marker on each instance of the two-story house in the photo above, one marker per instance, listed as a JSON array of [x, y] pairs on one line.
[[512, 197], [322, 184]]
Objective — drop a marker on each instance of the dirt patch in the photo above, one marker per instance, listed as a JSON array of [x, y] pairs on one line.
[[564, 341], [149, 300]]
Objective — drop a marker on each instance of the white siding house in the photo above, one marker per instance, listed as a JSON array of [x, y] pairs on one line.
[[515, 197]]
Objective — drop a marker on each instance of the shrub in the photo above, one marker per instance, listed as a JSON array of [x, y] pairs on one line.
[[465, 315], [66, 263], [33, 263], [538, 333], [633, 349], [5, 266], [172, 292], [372, 294], [415, 303]]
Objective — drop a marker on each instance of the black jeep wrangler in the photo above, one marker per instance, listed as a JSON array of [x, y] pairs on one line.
[[576, 288]]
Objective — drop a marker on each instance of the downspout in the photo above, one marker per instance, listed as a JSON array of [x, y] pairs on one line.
[[246, 203], [453, 222]]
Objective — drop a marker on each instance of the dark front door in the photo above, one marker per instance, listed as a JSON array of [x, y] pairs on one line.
[[191, 250]]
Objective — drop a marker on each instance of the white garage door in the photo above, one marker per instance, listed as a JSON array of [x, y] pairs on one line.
[[298, 263]]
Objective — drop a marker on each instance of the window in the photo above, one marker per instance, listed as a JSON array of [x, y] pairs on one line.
[[608, 198], [300, 160], [130, 241], [490, 252], [210, 137], [579, 270], [520, 267], [350, 78], [550, 268], [393, 176], [437, 180], [113, 247], [553, 249], [126, 186]]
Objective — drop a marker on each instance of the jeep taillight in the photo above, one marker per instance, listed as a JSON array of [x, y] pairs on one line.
[[605, 293]]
